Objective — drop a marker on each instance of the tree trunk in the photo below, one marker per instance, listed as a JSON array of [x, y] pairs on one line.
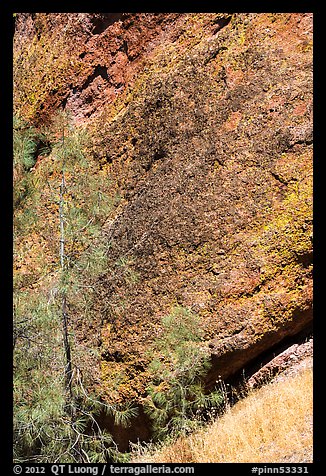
[[68, 366]]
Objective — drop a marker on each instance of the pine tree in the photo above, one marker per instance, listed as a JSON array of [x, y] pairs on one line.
[[55, 419], [176, 400]]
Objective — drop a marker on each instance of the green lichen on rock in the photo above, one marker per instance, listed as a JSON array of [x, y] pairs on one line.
[[217, 218], [209, 146]]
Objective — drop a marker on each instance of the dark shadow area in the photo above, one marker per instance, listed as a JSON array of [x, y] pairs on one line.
[[237, 381], [98, 71], [102, 21]]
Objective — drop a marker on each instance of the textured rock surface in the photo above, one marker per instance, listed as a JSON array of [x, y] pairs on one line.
[[81, 61], [204, 122], [294, 356]]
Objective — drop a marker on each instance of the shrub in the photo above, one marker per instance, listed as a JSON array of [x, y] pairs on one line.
[[176, 400], [55, 419]]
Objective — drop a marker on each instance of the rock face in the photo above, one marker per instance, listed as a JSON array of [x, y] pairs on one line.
[[79, 61], [205, 124], [295, 356]]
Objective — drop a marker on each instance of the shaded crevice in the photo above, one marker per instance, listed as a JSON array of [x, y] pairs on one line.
[[285, 142], [212, 55], [159, 154], [43, 147], [124, 48], [140, 429], [235, 357], [301, 142], [239, 378], [279, 178], [98, 71], [221, 23], [102, 21], [306, 259], [64, 102]]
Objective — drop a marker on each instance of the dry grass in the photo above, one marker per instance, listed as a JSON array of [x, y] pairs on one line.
[[272, 424]]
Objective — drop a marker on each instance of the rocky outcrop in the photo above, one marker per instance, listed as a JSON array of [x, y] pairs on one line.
[[204, 122], [213, 160], [83, 61], [293, 357]]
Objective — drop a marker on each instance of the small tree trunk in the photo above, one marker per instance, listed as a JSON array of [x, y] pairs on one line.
[[62, 225], [68, 366]]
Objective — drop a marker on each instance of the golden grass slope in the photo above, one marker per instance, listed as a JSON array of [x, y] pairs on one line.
[[271, 425]]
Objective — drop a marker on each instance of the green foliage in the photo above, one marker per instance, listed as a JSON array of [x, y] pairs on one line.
[[88, 199], [44, 431], [24, 144], [176, 400], [28, 142], [125, 270], [68, 141], [124, 415], [24, 147], [38, 365]]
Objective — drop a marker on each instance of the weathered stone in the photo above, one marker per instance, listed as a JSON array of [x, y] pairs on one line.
[[292, 355], [205, 125]]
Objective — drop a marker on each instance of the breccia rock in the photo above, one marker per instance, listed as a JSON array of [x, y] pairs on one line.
[[204, 122], [286, 360]]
